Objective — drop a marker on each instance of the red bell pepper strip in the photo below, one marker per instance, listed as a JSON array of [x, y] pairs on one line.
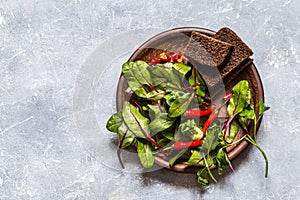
[[197, 113], [227, 96], [184, 145], [208, 122]]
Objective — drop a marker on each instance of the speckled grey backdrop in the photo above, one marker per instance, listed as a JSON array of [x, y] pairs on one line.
[[43, 47]]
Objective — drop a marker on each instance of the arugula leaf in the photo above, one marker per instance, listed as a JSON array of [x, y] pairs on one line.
[[180, 105], [114, 122], [145, 150], [136, 122]]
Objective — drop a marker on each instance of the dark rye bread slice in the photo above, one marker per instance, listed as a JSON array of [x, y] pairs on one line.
[[207, 51], [237, 71], [240, 53]]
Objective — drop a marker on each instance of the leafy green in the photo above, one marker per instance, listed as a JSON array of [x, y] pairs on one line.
[[114, 122], [232, 130], [197, 84], [171, 96], [136, 122], [188, 130], [211, 139], [183, 69], [201, 177], [180, 105], [168, 134], [129, 138], [262, 109], [161, 122], [195, 158], [222, 161], [145, 150], [178, 155], [167, 73], [136, 74], [240, 95]]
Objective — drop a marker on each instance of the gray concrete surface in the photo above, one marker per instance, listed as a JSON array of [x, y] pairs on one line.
[[46, 50]]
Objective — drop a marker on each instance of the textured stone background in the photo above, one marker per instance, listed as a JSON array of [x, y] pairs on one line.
[[43, 47]]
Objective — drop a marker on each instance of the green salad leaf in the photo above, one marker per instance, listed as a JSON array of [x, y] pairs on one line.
[[145, 150], [135, 121]]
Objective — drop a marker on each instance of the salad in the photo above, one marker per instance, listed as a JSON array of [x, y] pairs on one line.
[[169, 114]]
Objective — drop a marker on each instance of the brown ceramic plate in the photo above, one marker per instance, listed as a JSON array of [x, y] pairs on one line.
[[173, 41]]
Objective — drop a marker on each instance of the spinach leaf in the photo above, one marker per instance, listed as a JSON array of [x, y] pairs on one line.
[[167, 73], [232, 131], [145, 150], [114, 122], [211, 139], [135, 121], [239, 99], [197, 84], [128, 139], [262, 109], [183, 69], [136, 74], [180, 105], [172, 95], [161, 122], [188, 130]]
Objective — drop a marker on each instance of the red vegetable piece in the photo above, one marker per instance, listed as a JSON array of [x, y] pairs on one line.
[[197, 113], [208, 122], [164, 57], [227, 96], [174, 57], [184, 145], [155, 61]]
